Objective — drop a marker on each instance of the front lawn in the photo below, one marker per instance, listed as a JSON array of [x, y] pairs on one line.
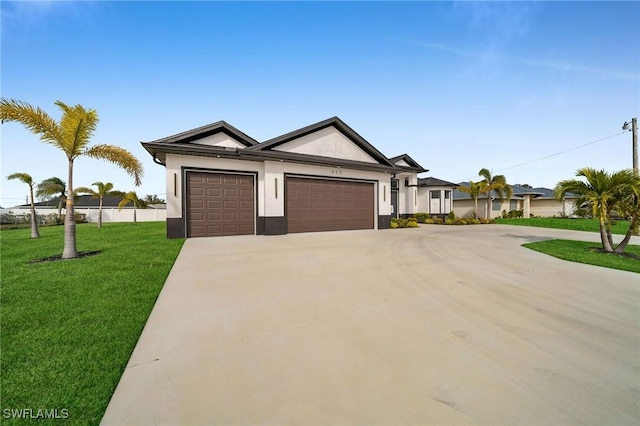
[[591, 225], [585, 252], [69, 327]]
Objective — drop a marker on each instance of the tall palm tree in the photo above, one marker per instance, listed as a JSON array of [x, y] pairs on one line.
[[25, 178], [104, 190], [604, 192], [71, 135], [130, 197], [50, 187], [474, 190], [497, 183]]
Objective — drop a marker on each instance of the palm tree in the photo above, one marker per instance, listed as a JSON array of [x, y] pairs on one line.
[[25, 178], [605, 192], [474, 190], [104, 190], [497, 183], [130, 197], [71, 135], [50, 187]]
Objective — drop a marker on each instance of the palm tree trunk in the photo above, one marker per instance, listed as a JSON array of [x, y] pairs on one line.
[[34, 219], [100, 214], [627, 236], [134, 213], [475, 213], [606, 246], [488, 212], [70, 250]]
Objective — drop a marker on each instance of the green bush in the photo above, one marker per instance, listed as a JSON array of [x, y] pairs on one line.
[[459, 222], [429, 221], [451, 216], [421, 217], [439, 221], [404, 223]]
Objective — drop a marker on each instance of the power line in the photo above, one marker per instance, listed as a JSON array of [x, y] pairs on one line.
[[555, 154]]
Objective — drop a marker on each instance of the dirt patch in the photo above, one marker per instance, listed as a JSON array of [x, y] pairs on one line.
[[59, 257]]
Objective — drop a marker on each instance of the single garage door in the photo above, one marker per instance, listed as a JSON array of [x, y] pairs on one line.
[[328, 205], [219, 204]]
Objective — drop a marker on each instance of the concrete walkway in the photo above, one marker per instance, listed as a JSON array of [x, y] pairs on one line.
[[438, 325]]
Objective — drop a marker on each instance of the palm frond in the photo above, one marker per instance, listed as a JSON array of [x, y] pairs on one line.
[[51, 186], [86, 190], [77, 126], [129, 197], [33, 118], [22, 177], [119, 156]]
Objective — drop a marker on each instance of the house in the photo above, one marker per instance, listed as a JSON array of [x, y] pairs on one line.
[[89, 207], [322, 177], [532, 201], [435, 196]]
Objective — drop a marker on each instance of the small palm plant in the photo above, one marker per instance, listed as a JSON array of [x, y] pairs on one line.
[[103, 190], [130, 197], [474, 190], [26, 178], [605, 192], [71, 135], [50, 187], [497, 183]]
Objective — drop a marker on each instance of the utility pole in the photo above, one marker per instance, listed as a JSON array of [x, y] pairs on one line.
[[634, 135]]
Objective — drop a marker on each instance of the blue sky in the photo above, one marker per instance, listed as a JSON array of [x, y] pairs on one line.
[[457, 85]]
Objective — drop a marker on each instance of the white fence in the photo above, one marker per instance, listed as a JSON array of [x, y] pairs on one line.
[[108, 214]]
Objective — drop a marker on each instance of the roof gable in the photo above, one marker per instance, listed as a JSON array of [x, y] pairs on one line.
[[405, 160], [220, 133], [330, 138]]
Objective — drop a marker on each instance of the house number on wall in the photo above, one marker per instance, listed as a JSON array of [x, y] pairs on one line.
[[336, 171]]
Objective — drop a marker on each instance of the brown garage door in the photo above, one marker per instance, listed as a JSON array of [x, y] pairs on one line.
[[219, 204], [328, 205]]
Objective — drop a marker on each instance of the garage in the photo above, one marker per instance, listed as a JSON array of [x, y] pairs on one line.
[[220, 204], [314, 205]]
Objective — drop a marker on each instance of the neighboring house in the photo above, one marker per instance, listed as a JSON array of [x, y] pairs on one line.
[[532, 201], [435, 196], [323, 177], [88, 206], [542, 202]]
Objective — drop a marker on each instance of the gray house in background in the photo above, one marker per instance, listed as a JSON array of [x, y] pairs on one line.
[[539, 202]]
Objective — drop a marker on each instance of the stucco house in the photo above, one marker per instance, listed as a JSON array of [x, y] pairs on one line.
[[435, 196], [532, 201], [322, 177]]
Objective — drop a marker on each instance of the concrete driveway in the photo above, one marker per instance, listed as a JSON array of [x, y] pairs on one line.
[[438, 325]]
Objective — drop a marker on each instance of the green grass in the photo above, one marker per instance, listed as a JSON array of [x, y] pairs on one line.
[[69, 327], [586, 252], [591, 225]]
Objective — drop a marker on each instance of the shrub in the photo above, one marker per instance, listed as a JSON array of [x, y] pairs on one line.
[[429, 221], [459, 222], [412, 222], [439, 221], [474, 221], [421, 217], [451, 216], [449, 221]]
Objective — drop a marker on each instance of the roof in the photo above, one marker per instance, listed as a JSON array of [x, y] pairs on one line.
[[431, 181], [181, 144], [412, 164], [81, 201], [518, 193], [208, 130]]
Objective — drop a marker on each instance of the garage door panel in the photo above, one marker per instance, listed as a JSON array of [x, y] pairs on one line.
[[220, 204], [328, 205]]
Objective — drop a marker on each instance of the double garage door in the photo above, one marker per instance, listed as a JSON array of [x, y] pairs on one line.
[[221, 204]]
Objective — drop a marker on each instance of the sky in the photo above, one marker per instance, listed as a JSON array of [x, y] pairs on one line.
[[531, 90]]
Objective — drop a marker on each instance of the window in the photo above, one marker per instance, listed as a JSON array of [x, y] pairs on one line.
[[513, 205], [447, 194], [394, 184], [496, 205], [435, 194]]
